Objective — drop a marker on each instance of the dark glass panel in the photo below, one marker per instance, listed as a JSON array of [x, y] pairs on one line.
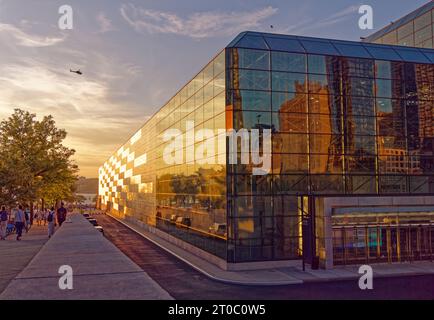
[[393, 162], [240, 168], [360, 125], [251, 120], [324, 65], [252, 42], [286, 206], [421, 184], [325, 104], [319, 84], [317, 64], [393, 184], [289, 102], [423, 165], [290, 143], [360, 145], [292, 82], [248, 206], [279, 44], [290, 122], [411, 55], [253, 59], [383, 69], [319, 47], [382, 52], [360, 106], [324, 143], [384, 89], [393, 142], [360, 164], [363, 87], [289, 184], [325, 163], [288, 62], [252, 100], [350, 50], [252, 79], [357, 67], [429, 54], [324, 124], [327, 184], [361, 184], [252, 185], [289, 163]]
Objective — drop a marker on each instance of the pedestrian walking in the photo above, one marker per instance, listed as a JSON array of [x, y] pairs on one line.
[[20, 220], [61, 214], [51, 222], [3, 223]]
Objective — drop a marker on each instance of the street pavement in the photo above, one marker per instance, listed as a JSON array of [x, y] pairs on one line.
[[16, 255], [182, 281]]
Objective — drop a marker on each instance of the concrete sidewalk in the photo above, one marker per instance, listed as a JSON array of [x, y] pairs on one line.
[[100, 270], [16, 255], [282, 276]]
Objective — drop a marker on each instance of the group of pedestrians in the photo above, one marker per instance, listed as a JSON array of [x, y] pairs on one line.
[[20, 219]]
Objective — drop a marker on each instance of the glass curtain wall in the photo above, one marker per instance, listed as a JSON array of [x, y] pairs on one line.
[[186, 199], [341, 126]]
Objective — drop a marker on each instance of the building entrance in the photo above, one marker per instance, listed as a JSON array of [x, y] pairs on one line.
[[383, 237]]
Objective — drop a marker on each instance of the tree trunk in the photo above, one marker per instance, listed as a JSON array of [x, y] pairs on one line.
[[31, 213]]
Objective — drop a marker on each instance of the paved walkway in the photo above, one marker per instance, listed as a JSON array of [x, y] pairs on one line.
[[282, 276], [16, 255], [100, 270]]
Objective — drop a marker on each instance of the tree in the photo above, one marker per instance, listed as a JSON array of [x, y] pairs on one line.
[[34, 164]]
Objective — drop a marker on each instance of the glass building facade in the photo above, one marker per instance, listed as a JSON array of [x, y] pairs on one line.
[[414, 30], [348, 119]]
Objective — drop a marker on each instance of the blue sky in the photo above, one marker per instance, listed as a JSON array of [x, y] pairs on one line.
[[136, 54]]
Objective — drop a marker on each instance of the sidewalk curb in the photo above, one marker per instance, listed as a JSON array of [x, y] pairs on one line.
[[204, 272], [378, 276]]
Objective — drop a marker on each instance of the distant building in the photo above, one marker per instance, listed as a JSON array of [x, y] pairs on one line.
[[413, 30], [90, 198]]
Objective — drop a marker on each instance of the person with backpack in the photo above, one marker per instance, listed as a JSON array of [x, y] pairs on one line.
[[20, 220], [3, 223], [61, 214], [51, 222]]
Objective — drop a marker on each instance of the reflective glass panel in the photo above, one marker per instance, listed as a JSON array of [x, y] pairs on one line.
[[289, 62]]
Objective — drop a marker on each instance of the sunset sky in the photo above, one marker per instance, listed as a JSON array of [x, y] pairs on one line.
[[135, 55]]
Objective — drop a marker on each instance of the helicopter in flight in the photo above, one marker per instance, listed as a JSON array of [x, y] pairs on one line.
[[76, 71]]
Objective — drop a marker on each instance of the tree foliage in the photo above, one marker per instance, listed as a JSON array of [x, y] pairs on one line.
[[34, 164]]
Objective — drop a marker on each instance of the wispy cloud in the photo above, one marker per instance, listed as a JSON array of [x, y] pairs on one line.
[[105, 24], [27, 40], [83, 105], [197, 25], [309, 24]]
